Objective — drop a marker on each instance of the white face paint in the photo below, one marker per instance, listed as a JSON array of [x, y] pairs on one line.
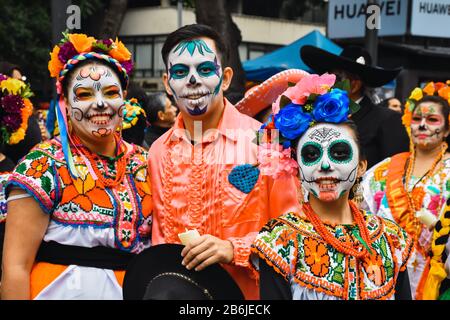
[[428, 125], [328, 158], [96, 101], [195, 75]]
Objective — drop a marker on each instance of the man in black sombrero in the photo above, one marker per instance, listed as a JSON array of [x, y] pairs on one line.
[[381, 132]]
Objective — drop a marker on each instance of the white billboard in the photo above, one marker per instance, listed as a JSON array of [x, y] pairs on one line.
[[347, 18]]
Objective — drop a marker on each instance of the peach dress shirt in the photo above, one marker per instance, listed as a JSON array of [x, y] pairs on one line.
[[191, 190]]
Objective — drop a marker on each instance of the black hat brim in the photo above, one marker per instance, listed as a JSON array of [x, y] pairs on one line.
[[322, 61], [167, 258]]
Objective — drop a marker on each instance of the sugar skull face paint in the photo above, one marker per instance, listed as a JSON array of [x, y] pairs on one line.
[[96, 101], [194, 75], [328, 158], [427, 125]]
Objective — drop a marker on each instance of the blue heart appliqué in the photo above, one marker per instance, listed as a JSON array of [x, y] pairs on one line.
[[244, 177]]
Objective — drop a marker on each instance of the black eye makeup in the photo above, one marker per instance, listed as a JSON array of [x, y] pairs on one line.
[[311, 153], [340, 151]]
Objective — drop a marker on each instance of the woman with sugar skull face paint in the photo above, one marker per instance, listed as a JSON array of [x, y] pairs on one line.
[[331, 249], [79, 205], [412, 188]]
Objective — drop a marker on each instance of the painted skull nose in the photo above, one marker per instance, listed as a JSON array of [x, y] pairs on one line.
[[101, 105], [192, 80], [325, 166]]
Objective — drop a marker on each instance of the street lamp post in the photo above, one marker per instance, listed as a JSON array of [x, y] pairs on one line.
[[180, 13]]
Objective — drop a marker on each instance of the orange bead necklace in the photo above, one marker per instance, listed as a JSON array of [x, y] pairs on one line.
[[344, 247], [121, 162]]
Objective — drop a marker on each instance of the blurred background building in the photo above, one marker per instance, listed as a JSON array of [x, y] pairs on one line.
[[265, 25]]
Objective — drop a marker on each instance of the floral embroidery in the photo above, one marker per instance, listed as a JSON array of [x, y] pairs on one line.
[[84, 202], [37, 168], [83, 191], [313, 264], [316, 257]]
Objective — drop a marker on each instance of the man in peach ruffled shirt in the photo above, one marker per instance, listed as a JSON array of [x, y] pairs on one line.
[[203, 169]]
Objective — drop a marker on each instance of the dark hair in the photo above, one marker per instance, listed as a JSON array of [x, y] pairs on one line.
[[438, 100], [67, 77], [194, 31], [156, 103], [136, 133], [137, 92], [7, 68]]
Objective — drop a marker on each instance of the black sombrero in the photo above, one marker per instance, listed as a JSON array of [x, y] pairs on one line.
[[157, 274], [352, 59]]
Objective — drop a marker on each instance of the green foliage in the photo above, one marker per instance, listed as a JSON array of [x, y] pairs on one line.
[[25, 33]]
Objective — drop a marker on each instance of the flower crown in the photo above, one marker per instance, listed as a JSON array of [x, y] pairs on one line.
[[74, 48], [314, 99], [430, 89], [15, 109]]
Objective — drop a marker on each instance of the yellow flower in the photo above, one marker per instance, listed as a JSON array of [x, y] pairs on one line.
[[416, 94], [12, 85], [17, 136]]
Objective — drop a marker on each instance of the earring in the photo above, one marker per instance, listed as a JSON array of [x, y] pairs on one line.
[[357, 191]]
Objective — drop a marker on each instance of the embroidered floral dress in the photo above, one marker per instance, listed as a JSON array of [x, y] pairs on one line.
[[428, 194], [84, 213], [311, 269]]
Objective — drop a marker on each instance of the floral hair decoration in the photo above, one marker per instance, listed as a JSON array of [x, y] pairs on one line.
[[15, 109], [131, 113], [314, 99], [430, 89], [71, 50]]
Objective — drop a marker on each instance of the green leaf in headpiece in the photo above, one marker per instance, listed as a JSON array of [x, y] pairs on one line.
[[291, 84], [65, 37], [343, 85], [284, 101]]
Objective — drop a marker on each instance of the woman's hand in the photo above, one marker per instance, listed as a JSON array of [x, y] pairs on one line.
[[26, 225], [205, 251]]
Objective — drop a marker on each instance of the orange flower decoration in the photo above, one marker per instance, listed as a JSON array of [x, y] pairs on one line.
[[429, 89], [444, 92], [439, 86], [38, 168], [373, 265], [81, 42], [316, 257], [119, 51], [55, 65], [407, 117], [417, 195], [83, 192]]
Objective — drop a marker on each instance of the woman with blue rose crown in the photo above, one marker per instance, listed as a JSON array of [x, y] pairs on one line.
[[331, 249]]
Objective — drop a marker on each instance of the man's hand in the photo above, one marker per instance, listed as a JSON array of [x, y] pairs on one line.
[[205, 251]]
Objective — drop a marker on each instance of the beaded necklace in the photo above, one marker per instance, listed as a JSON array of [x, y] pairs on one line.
[[346, 248], [439, 160], [93, 158]]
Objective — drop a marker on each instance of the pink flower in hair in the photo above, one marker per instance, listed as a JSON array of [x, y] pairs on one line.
[[275, 161], [311, 84]]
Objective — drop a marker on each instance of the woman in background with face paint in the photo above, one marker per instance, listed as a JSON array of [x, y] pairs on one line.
[[331, 249], [80, 204], [411, 188]]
